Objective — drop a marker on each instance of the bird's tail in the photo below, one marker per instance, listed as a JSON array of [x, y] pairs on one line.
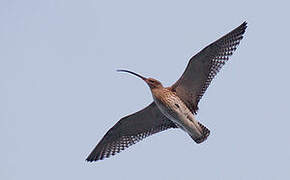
[[205, 133]]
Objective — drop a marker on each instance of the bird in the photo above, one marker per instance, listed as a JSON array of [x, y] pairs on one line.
[[175, 106]]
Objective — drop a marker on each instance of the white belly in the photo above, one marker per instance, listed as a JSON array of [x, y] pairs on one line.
[[175, 110]]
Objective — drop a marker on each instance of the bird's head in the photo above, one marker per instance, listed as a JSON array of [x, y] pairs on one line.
[[152, 83]]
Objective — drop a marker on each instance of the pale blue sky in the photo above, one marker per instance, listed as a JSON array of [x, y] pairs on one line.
[[60, 93]]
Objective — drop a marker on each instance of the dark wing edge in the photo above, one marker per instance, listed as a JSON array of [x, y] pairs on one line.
[[203, 67], [130, 130]]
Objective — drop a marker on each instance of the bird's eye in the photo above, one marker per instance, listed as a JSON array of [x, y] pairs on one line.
[[151, 81]]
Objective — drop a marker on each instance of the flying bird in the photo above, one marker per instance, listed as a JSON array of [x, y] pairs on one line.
[[175, 106]]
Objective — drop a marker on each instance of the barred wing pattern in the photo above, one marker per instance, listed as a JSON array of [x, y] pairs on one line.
[[203, 67], [129, 130]]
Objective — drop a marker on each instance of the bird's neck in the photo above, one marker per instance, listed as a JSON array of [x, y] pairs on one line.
[[159, 92]]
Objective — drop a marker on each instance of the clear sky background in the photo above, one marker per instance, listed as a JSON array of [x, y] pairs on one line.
[[60, 93]]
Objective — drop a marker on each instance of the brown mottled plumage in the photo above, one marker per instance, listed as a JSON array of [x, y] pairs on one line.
[[175, 106]]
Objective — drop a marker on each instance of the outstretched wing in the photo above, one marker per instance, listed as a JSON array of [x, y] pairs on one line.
[[203, 67], [129, 130]]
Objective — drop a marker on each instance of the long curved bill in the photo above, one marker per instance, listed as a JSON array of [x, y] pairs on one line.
[[138, 75]]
